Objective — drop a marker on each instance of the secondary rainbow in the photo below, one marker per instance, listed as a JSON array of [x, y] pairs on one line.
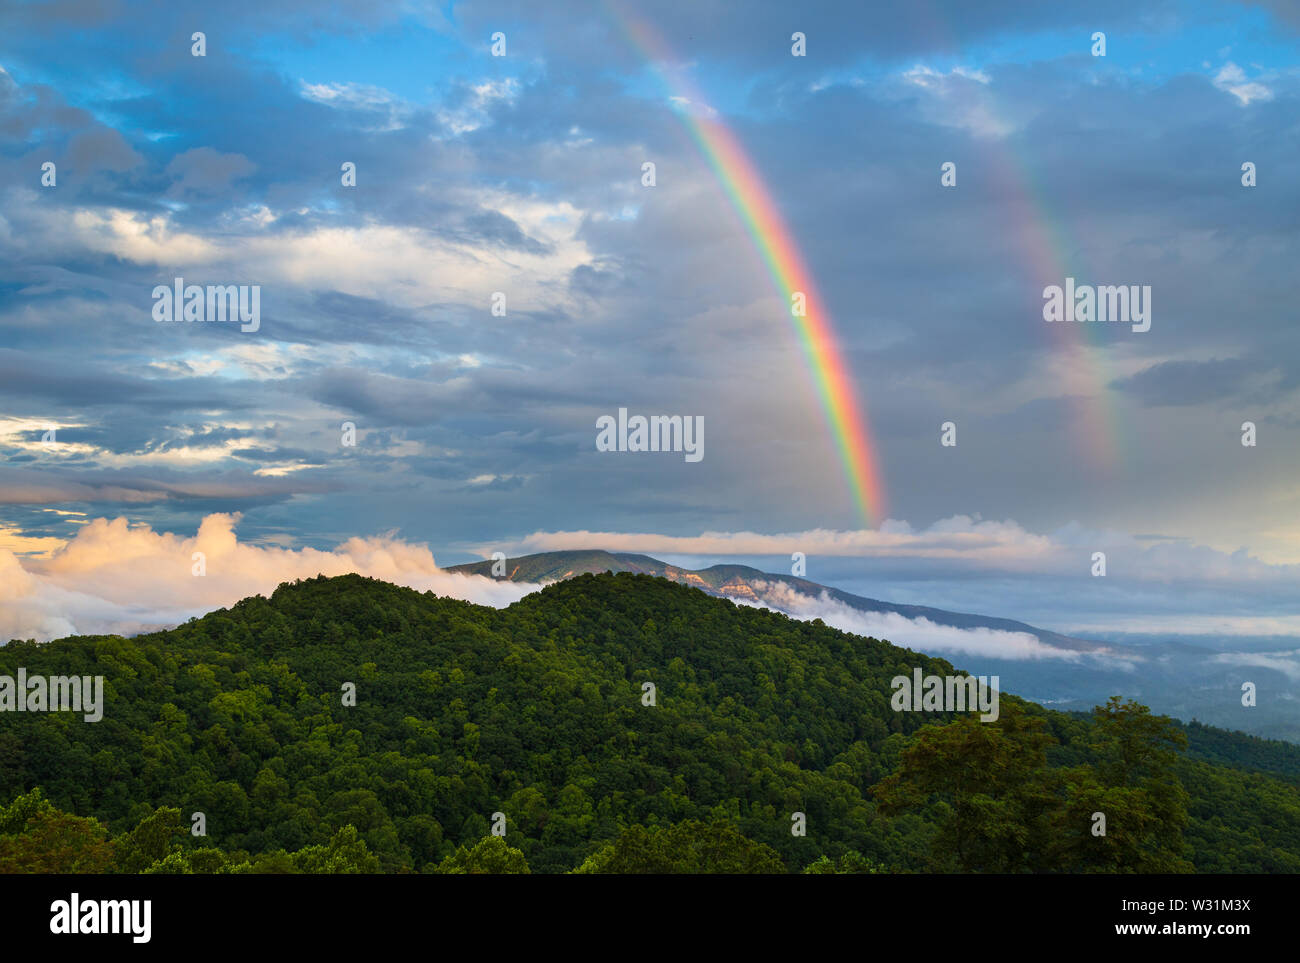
[[1049, 253], [780, 253]]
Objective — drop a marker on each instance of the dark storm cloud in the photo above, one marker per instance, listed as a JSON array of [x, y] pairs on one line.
[[50, 487], [757, 33], [23, 376], [1188, 382], [204, 171]]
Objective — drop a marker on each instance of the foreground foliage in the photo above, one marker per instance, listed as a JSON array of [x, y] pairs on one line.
[[536, 712]]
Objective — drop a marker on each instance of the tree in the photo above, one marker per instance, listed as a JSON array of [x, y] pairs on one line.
[[15, 816], [346, 852], [491, 854], [57, 842], [984, 783], [1132, 785], [850, 862], [206, 861], [149, 842], [686, 847]]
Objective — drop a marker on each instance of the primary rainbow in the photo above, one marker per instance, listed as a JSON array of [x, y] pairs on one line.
[[776, 244]]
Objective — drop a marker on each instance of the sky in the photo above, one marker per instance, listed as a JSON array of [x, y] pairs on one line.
[[129, 443]]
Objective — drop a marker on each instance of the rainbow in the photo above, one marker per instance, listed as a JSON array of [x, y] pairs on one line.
[[780, 253], [1048, 257]]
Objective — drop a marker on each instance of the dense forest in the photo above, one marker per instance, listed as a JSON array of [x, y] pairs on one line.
[[350, 725]]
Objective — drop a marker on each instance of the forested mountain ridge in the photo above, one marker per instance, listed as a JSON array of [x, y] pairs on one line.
[[537, 712], [745, 583], [1175, 676]]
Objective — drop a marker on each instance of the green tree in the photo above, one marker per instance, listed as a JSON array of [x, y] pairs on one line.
[[984, 784], [850, 862], [491, 854], [14, 817], [346, 852], [206, 861], [57, 842], [149, 842], [686, 847], [1134, 786]]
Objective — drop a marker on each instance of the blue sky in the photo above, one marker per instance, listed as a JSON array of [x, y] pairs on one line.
[[521, 174]]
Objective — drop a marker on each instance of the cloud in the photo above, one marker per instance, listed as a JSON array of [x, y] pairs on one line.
[[1232, 79], [755, 35], [959, 545], [41, 486], [1286, 662], [932, 79], [476, 105], [919, 634], [959, 98], [206, 172], [521, 174], [388, 112], [13, 540], [101, 149], [957, 537], [113, 577], [1208, 627], [1188, 382], [403, 265]]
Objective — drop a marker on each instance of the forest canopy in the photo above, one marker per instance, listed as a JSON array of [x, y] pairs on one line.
[[349, 725]]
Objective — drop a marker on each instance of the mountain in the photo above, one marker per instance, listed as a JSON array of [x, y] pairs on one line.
[[1188, 681], [347, 724], [740, 582]]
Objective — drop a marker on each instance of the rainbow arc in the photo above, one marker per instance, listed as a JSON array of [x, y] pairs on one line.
[[779, 250]]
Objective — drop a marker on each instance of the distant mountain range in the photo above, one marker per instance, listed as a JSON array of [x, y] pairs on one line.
[[746, 584], [1189, 682]]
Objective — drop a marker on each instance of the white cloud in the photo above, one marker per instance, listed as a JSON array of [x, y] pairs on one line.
[[956, 537], [695, 108], [918, 634], [959, 98], [959, 543], [391, 111], [400, 265], [1287, 663], [1211, 627], [116, 578], [1232, 79], [476, 110], [928, 77]]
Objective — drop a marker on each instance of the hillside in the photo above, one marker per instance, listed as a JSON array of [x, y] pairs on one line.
[[747, 584], [1189, 682], [536, 711]]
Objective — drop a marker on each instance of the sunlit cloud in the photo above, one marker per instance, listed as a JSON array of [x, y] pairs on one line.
[[114, 577]]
